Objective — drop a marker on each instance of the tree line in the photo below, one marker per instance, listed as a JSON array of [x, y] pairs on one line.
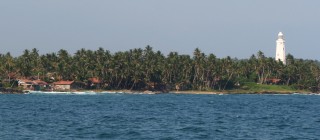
[[146, 69]]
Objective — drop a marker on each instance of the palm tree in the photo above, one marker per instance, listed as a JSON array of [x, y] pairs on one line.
[[25, 64], [64, 65], [9, 65], [199, 68]]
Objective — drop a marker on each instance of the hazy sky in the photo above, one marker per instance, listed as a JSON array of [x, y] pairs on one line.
[[236, 28]]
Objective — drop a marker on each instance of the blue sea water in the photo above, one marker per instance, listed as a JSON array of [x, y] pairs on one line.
[[164, 116]]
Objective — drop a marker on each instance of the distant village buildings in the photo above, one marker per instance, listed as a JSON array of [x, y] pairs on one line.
[[63, 85], [28, 84], [281, 50]]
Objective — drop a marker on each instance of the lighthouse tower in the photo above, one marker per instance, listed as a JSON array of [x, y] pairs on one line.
[[281, 50]]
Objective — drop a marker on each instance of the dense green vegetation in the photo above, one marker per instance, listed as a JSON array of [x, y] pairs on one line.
[[256, 88], [145, 69]]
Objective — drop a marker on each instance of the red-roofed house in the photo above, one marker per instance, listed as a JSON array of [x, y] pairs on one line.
[[273, 80], [41, 83], [27, 84], [32, 84], [62, 85], [94, 82]]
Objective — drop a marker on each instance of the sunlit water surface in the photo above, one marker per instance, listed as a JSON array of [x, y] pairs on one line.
[[165, 116]]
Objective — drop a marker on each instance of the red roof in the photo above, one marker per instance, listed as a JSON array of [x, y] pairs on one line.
[[63, 83], [41, 82], [95, 80], [274, 80], [11, 74], [24, 80], [33, 82]]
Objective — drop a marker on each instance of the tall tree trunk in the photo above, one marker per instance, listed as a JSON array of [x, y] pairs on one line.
[[227, 81], [288, 81]]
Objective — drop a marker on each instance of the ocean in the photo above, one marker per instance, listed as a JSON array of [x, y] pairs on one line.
[[160, 116]]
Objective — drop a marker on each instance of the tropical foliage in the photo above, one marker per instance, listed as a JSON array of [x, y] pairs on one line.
[[142, 69]]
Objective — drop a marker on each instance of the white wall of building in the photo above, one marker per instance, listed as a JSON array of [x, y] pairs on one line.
[[281, 50]]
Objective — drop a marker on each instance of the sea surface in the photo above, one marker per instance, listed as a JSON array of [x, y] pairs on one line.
[[163, 116]]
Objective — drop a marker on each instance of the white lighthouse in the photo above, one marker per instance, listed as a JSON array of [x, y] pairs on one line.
[[281, 50]]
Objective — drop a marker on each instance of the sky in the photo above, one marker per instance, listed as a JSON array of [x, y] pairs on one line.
[[236, 28]]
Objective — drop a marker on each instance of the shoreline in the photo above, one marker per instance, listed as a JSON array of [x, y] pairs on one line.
[[241, 92], [207, 92], [172, 92]]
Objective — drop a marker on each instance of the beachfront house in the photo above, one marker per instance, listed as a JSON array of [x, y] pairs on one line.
[[273, 81], [36, 85], [94, 83], [63, 85]]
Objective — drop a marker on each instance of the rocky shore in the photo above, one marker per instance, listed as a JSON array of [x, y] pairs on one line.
[[10, 91]]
